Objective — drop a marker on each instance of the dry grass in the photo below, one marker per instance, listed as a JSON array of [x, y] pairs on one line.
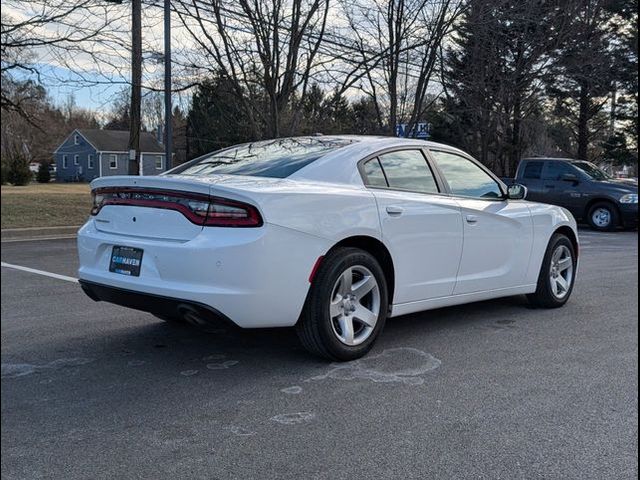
[[45, 205]]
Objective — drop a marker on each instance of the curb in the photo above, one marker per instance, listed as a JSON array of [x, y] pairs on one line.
[[35, 233]]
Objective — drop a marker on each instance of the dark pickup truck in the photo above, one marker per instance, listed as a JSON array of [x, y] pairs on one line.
[[582, 188]]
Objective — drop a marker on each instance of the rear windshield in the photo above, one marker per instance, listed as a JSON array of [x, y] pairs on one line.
[[272, 158]]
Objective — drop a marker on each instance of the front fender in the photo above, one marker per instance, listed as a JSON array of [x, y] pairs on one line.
[[546, 219]]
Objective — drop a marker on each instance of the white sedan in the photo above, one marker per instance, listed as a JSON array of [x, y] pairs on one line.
[[332, 234]]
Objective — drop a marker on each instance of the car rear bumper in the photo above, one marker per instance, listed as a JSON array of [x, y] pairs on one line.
[[257, 277], [171, 307]]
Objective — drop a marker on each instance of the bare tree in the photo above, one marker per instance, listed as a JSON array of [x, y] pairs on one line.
[[55, 32], [408, 35], [264, 47]]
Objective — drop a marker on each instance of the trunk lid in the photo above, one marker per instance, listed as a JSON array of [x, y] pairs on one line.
[[162, 221]]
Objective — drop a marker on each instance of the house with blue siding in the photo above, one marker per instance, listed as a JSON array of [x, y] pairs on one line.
[[87, 154]]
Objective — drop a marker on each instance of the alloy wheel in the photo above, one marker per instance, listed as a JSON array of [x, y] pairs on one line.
[[561, 271], [355, 305]]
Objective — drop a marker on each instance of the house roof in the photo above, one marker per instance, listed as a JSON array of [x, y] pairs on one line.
[[118, 140]]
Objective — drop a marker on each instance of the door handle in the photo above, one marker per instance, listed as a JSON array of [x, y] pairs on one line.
[[394, 211], [471, 219]]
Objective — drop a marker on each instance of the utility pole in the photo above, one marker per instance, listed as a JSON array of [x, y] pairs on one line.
[[168, 113], [136, 87]]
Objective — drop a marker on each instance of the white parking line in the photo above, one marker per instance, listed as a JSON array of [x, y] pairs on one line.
[[39, 272]]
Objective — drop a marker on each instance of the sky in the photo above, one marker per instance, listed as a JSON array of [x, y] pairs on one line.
[[62, 84], [99, 68], [94, 78]]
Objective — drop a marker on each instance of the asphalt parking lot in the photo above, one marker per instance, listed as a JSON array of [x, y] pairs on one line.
[[487, 390]]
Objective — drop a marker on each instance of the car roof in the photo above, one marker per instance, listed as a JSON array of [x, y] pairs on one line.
[[559, 159], [367, 144], [387, 140]]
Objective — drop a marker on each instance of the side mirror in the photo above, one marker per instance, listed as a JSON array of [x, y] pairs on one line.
[[516, 192], [570, 177]]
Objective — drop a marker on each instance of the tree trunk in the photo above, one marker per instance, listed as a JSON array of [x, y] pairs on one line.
[[514, 151], [583, 123], [612, 114], [274, 117]]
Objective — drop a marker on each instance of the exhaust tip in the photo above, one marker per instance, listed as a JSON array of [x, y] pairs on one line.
[[199, 317]]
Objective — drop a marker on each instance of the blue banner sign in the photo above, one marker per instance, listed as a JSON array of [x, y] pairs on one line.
[[419, 130]]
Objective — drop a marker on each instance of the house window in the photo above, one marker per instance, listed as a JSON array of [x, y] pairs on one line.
[[76, 159], [90, 161], [64, 161], [76, 139], [113, 162], [159, 162]]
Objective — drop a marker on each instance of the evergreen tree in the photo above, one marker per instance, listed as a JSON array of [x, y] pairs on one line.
[[216, 119], [18, 172], [43, 175], [494, 74], [587, 68]]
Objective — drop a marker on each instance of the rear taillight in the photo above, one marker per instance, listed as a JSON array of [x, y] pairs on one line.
[[199, 209], [229, 213], [96, 202]]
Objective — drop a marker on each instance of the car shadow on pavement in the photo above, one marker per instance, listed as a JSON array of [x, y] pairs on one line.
[[477, 314], [180, 343]]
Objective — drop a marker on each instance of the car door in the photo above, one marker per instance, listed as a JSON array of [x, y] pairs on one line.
[[498, 233], [421, 227], [560, 191]]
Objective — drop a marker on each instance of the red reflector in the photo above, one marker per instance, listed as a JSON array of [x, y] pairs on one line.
[[314, 270]]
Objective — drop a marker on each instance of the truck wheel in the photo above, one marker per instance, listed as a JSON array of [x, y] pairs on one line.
[[603, 216]]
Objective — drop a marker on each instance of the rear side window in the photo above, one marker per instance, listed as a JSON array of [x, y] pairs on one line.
[[408, 170], [375, 175], [272, 158], [533, 170]]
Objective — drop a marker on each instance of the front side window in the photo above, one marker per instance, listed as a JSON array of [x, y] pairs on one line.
[[90, 161], [555, 170], [277, 158], [591, 170], [76, 159], [408, 170], [64, 161], [158, 162], [113, 162], [76, 139], [465, 178]]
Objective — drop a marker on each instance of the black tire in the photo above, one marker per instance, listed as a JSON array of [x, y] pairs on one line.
[[315, 327], [544, 296], [614, 217]]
